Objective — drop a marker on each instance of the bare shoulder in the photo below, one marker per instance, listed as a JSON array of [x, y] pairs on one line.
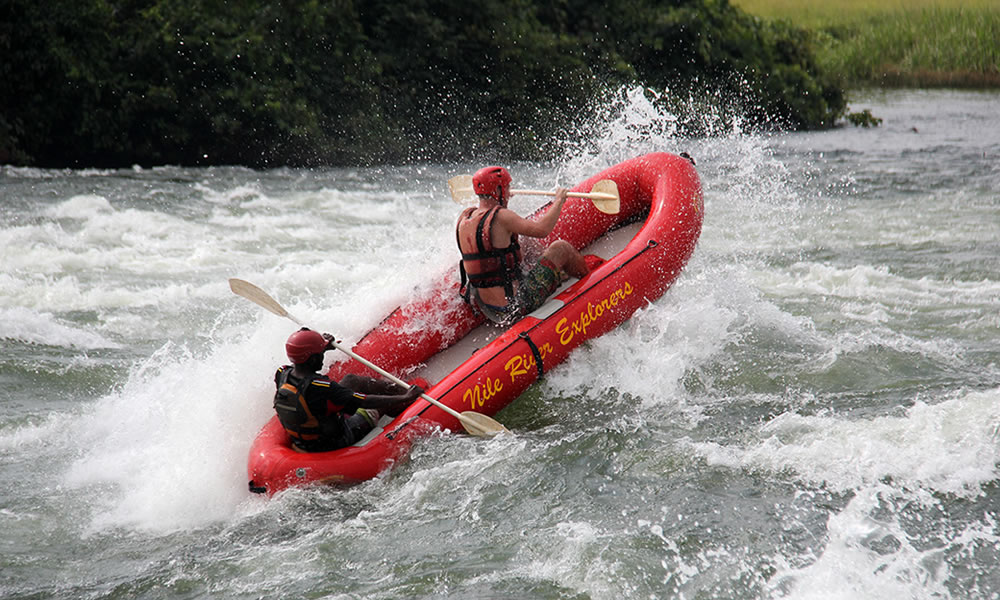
[[512, 222], [509, 219]]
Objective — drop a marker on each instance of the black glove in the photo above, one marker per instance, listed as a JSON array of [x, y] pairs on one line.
[[330, 341]]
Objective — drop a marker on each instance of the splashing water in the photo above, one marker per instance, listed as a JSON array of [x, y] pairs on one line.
[[807, 413]]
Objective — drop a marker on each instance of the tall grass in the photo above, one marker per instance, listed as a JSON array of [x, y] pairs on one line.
[[817, 14], [924, 43]]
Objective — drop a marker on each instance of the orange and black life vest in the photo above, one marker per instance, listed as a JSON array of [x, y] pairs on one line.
[[293, 411], [311, 410], [488, 266]]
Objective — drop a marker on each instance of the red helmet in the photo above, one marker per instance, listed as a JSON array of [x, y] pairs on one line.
[[492, 181], [303, 344]]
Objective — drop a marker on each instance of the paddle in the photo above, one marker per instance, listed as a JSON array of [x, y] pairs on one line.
[[474, 423], [604, 194]]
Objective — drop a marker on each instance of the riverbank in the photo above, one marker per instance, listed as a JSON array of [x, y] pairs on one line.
[[923, 43], [312, 84]]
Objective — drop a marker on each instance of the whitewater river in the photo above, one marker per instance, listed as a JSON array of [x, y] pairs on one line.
[[811, 411]]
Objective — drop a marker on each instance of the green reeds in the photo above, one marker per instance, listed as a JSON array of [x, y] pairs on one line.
[[926, 47], [927, 44]]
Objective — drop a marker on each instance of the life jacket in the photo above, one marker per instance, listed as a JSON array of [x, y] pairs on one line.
[[294, 413], [488, 266]]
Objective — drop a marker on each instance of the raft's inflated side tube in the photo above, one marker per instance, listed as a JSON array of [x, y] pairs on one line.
[[663, 189]]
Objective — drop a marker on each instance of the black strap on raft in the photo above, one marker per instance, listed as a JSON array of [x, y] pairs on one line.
[[534, 350], [463, 290]]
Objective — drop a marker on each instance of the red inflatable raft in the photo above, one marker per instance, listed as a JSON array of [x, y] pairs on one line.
[[483, 368]]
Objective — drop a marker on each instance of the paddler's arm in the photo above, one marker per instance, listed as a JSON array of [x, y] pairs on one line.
[[388, 402], [515, 223], [362, 383]]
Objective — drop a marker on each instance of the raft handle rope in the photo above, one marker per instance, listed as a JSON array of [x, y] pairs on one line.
[[534, 350]]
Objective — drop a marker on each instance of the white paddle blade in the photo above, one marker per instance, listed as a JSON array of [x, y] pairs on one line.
[[460, 187], [257, 296], [480, 425], [608, 187]]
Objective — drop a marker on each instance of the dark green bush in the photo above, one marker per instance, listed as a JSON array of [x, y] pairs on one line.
[[303, 82]]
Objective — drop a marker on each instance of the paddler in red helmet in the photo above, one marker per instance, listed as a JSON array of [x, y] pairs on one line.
[[491, 255], [320, 414]]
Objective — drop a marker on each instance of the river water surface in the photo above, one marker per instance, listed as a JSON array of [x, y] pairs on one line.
[[811, 411]]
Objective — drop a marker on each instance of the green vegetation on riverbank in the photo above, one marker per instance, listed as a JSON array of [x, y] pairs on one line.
[[297, 82], [919, 43]]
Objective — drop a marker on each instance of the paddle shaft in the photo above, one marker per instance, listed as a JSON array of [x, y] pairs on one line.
[[395, 379], [604, 193], [588, 195]]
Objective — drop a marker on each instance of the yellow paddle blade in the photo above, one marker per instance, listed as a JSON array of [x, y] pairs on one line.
[[460, 187], [609, 202]]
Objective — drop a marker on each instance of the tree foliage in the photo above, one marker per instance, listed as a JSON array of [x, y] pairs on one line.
[[304, 82]]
